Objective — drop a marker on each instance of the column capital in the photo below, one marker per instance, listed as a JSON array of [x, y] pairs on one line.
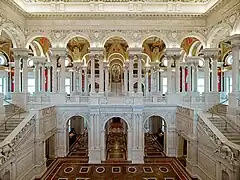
[[211, 52], [22, 52], [39, 59], [105, 65], [235, 39], [97, 50], [193, 60], [173, 52], [48, 65], [135, 50], [59, 51]]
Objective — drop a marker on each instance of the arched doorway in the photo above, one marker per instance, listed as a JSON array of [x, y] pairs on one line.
[[155, 137], [77, 137], [116, 139]]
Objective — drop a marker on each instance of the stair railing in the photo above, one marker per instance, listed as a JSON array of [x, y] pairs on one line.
[[18, 111], [214, 110]]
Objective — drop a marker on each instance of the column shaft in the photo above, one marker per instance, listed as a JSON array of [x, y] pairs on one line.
[[235, 68], [101, 77], [106, 80], [146, 82], [131, 74], [169, 75], [80, 80], [195, 78], [178, 75], [42, 78], [139, 73], [92, 73], [183, 78], [62, 74], [206, 75], [36, 77], [125, 80], [49, 79], [16, 74], [214, 76], [25, 75]]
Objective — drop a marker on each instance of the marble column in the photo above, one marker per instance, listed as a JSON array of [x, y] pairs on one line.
[[131, 61], [152, 80], [189, 77], [62, 74], [177, 58], [48, 65], [25, 73], [235, 66], [125, 78], [54, 73], [42, 64], [17, 59], [206, 74], [101, 74], [214, 74], [85, 80], [92, 59], [169, 74], [183, 76], [139, 73], [195, 77], [36, 71], [74, 81], [146, 81], [80, 80], [157, 81], [106, 79]]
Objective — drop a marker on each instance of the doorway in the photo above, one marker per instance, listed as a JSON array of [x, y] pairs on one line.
[[182, 150], [116, 139], [77, 137], [50, 150], [155, 137]]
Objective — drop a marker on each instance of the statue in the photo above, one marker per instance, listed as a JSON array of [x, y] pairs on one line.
[[116, 73]]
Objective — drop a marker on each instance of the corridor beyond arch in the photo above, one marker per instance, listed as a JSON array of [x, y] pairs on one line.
[[155, 140]]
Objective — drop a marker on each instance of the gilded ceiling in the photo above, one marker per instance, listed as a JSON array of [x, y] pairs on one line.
[[77, 47]]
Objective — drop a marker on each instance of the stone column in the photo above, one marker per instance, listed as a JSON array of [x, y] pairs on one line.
[[85, 80], [132, 53], [214, 73], [157, 81], [235, 66], [196, 77], [139, 73], [92, 59], [131, 61], [17, 59], [152, 80], [48, 65], [25, 73], [206, 74], [74, 81], [169, 74], [42, 64], [177, 73], [62, 53], [183, 76], [101, 75], [36, 63], [106, 77], [126, 78], [189, 78], [80, 80], [146, 81]]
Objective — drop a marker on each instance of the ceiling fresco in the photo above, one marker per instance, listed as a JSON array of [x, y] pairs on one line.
[[6, 44], [187, 44], [78, 47], [154, 48], [116, 45]]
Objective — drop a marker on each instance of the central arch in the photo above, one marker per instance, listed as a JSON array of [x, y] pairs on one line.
[[116, 140]]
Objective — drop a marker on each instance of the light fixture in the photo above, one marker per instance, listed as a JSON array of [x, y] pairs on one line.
[[165, 62]]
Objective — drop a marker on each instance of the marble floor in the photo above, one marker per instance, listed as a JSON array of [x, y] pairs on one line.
[[73, 169]]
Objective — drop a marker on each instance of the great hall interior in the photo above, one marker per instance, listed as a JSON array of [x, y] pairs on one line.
[[119, 90]]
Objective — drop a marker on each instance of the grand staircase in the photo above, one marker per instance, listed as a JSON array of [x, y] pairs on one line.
[[219, 120], [13, 116]]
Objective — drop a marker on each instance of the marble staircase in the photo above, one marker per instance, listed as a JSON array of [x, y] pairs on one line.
[[13, 117], [226, 129]]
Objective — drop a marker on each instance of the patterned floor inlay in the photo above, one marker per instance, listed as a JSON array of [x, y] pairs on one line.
[[163, 169], [68, 169], [116, 169], [71, 169], [132, 169], [84, 169], [147, 170], [100, 170]]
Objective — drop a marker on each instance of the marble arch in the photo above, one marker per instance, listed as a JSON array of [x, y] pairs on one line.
[[155, 114], [15, 34], [199, 36], [116, 34], [164, 39], [107, 118], [68, 114], [73, 35], [36, 35], [113, 54], [236, 27], [218, 33]]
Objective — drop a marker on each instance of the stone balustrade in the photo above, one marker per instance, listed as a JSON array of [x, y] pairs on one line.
[[225, 148]]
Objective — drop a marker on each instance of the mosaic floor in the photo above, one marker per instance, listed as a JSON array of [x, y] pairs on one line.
[[71, 169]]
